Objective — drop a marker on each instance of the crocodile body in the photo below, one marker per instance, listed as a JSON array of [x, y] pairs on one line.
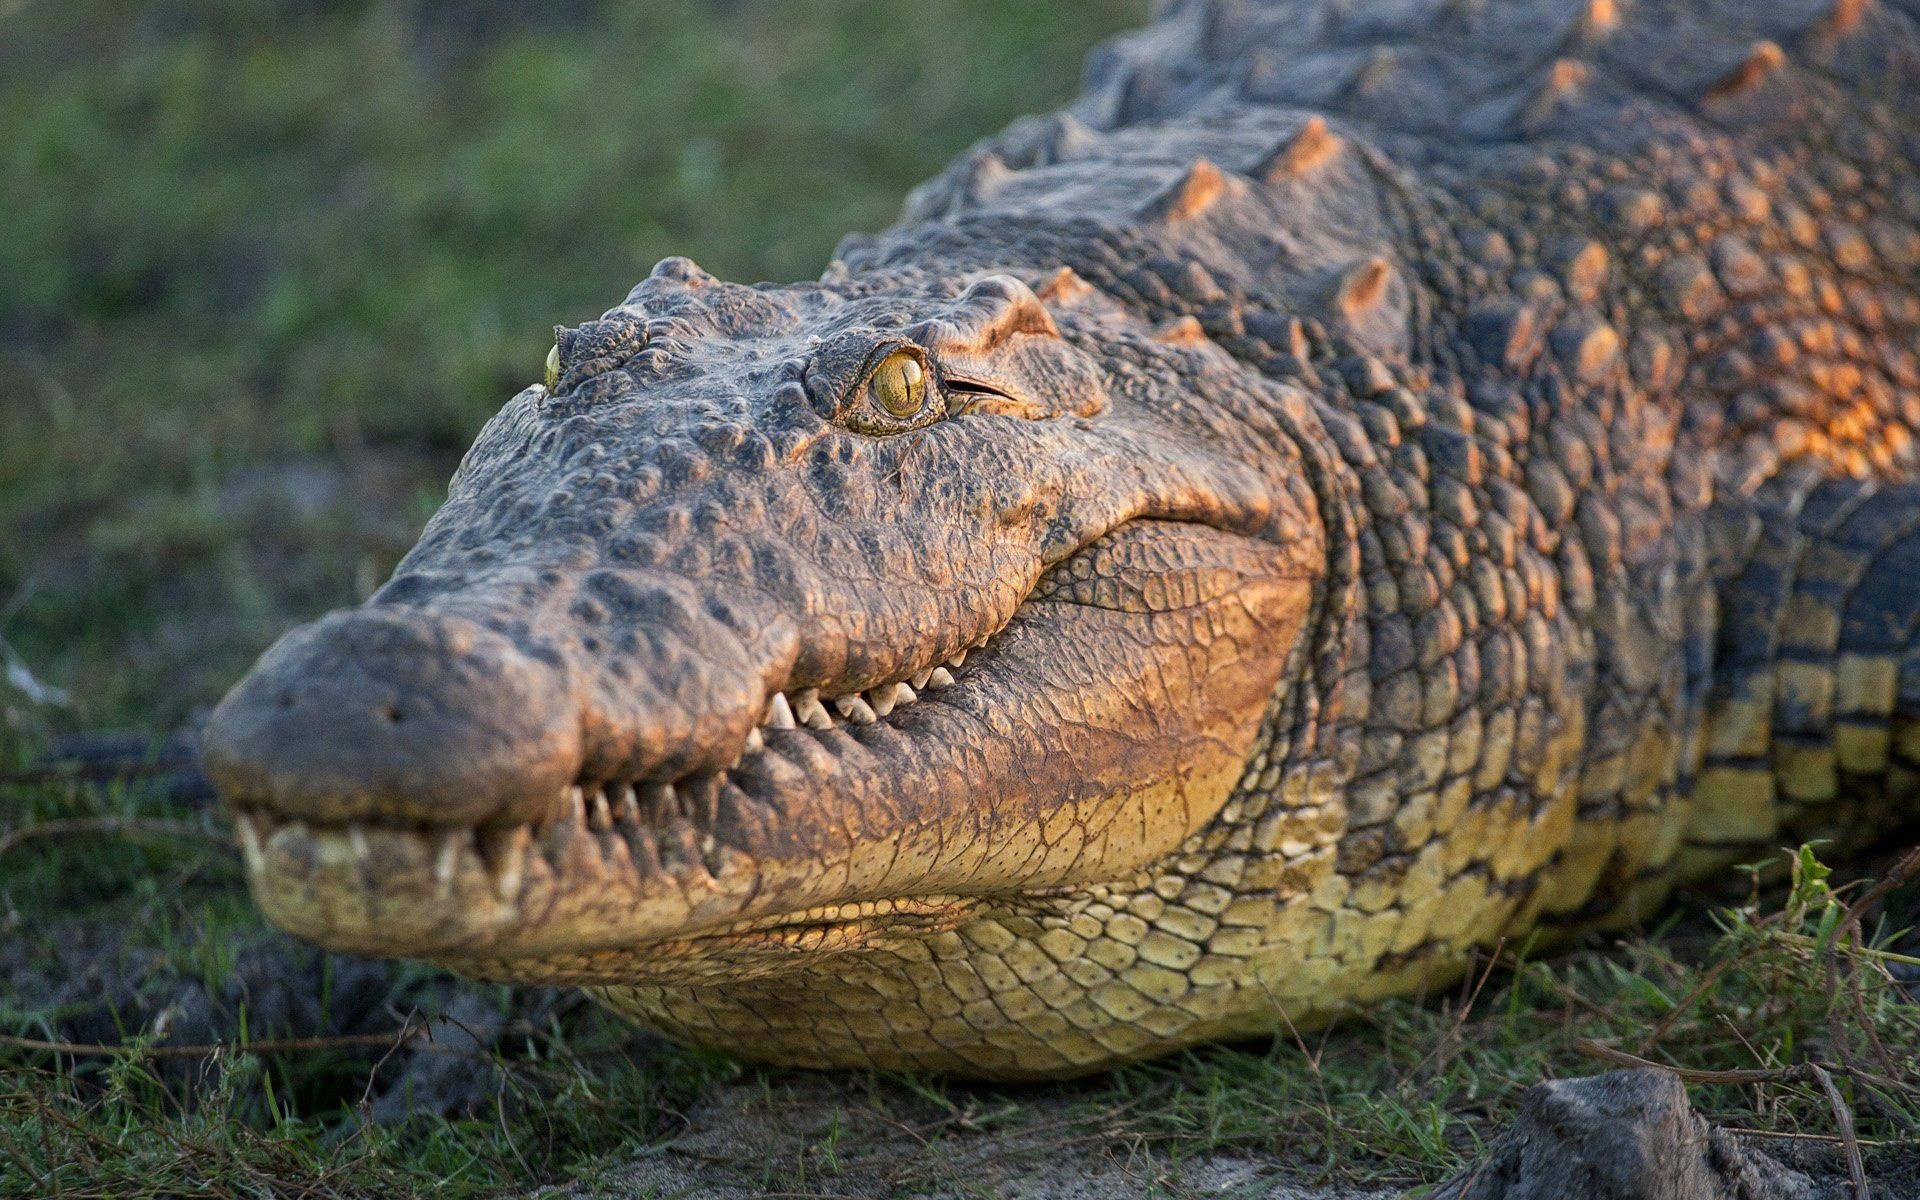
[[1366, 481]]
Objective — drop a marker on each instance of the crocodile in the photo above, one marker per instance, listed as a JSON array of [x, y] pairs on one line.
[[1363, 483]]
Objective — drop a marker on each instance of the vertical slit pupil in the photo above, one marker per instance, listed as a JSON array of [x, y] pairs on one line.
[[901, 384]]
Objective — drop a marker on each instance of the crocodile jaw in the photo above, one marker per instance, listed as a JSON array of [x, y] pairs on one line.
[[1102, 725]]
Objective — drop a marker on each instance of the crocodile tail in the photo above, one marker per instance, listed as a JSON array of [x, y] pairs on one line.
[[1813, 724]]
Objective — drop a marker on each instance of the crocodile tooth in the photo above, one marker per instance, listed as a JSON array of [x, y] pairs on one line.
[[445, 860], [577, 801], [556, 843], [357, 838], [615, 855], [779, 712], [756, 740], [249, 842], [504, 853], [808, 710], [700, 801], [626, 805], [881, 700], [643, 848], [659, 803], [919, 678], [940, 677], [904, 694], [599, 815], [854, 709], [679, 845], [957, 659]]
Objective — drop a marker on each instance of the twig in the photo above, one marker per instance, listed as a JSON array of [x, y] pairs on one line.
[[1843, 1117], [1827, 1138], [1567, 994], [1793, 1074], [1441, 1053], [1312, 1060], [1864, 951], [258, 1046], [1693, 996], [366, 1095], [111, 771], [1903, 870], [15, 671], [115, 826]]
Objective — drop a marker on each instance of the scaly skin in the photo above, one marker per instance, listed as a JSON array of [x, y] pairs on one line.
[[1408, 474]]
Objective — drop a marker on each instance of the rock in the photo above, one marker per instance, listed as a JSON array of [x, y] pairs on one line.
[[461, 1076], [1625, 1135]]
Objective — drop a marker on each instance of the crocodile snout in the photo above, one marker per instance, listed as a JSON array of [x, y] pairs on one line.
[[399, 716]]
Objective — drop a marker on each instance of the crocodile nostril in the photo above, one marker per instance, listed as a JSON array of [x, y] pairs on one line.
[[397, 715]]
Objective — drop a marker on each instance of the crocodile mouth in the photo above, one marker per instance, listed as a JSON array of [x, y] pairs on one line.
[[449, 893], [609, 836], [481, 875], [1085, 738], [637, 827]]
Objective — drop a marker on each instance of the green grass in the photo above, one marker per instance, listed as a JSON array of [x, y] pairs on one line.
[[267, 267]]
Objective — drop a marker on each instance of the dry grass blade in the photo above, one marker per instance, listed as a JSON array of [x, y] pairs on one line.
[[257, 1046], [112, 827], [1621, 1058], [1843, 1118]]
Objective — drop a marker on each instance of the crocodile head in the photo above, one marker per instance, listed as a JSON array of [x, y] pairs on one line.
[[783, 627]]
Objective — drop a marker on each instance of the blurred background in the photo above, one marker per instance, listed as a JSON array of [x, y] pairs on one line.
[[267, 265]]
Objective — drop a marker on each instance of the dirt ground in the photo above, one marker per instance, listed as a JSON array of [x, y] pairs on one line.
[[751, 1141], [746, 1140]]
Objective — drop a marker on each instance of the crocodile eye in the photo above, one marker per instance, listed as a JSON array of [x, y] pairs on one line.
[[553, 367], [899, 384]]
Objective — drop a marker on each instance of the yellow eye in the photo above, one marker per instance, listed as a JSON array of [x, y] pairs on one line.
[[553, 367], [899, 383]]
